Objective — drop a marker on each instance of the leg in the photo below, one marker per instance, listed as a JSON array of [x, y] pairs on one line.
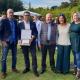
[[14, 55], [78, 64], [78, 60], [34, 60], [75, 63], [34, 57], [66, 59], [25, 50], [44, 53], [59, 58], [51, 56], [4, 57]]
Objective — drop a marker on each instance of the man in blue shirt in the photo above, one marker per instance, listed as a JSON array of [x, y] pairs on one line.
[[8, 39]]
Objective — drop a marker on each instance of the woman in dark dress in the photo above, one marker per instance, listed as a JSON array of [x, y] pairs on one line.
[[75, 41]]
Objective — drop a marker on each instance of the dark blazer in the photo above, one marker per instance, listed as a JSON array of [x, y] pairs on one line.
[[33, 29], [44, 33], [5, 29]]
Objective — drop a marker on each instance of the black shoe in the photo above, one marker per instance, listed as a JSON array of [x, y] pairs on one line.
[[43, 71], [26, 70], [36, 74]]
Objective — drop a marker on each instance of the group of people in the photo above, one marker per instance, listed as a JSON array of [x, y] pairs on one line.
[[47, 35]]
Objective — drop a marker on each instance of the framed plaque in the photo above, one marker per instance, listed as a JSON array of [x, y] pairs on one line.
[[25, 37]]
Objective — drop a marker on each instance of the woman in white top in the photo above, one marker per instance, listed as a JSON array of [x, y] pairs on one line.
[[63, 45]]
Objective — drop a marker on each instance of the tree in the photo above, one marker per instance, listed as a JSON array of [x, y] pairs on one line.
[[64, 4], [74, 2], [54, 7], [14, 4]]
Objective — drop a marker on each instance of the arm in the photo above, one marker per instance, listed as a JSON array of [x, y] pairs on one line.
[[2, 22], [34, 32], [19, 31], [39, 33], [1, 29]]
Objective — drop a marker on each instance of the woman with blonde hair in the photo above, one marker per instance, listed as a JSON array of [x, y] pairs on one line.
[[75, 41]]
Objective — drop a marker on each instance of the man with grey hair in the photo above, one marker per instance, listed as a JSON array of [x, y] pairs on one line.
[[48, 41], [8, 39]]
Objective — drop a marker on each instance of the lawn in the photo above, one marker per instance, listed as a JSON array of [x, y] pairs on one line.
[[49, 75]]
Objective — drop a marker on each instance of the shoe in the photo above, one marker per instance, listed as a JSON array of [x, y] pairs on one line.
[[36, 74], [25, 71], [78, 74], [43, 71], [75, 71], [3, 75], [15, 70]]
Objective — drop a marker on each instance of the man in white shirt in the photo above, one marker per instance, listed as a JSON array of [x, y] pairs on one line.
[[27, 24]]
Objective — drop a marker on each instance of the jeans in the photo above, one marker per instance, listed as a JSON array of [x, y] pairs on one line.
[[5, 51], [78, 60]]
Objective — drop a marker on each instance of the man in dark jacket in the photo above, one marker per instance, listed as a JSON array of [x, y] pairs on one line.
[[27, 24], [48, 41], [8, 37]]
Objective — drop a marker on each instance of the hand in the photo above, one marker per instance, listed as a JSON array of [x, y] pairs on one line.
[[4, 44], [39, 46], [30, 41]]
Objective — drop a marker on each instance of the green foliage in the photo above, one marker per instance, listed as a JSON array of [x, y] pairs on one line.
[[67, 11], [64, 4], [14, 4]]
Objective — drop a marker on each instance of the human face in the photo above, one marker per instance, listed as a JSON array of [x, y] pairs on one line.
[[49, 18], [61, 20], [75, 17], [26, 17], [10, 13], [35, 18]]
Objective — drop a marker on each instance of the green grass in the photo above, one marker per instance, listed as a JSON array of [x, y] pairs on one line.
[[49, 75]]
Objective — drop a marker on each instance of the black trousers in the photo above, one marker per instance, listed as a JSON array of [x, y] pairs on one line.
[[26, 50], [51, 50]]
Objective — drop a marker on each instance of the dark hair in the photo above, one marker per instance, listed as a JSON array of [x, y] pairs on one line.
[[26, 12], [63, 17]]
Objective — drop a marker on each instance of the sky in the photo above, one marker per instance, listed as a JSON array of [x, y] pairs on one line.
[[43, 3]]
